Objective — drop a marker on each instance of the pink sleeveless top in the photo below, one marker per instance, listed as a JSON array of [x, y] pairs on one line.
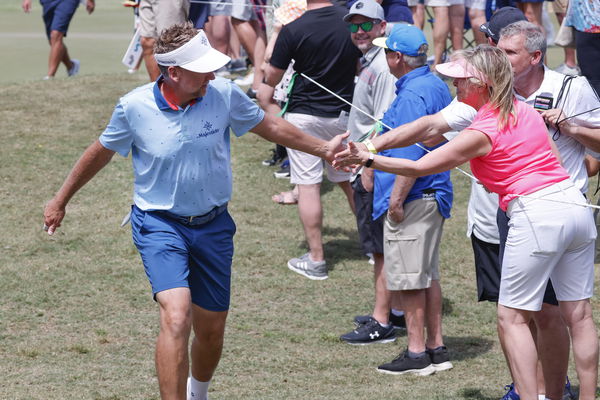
[[521, 160]]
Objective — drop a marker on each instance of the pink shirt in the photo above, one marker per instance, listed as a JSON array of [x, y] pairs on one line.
[[521, 160]]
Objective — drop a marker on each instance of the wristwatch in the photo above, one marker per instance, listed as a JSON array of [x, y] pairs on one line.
[[370, 160]]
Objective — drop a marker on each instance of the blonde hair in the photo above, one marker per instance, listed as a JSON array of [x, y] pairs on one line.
[[495, 68]]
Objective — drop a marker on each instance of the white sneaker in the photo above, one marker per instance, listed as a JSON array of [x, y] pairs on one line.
[[75, 68], [245, 81], [565, 69]]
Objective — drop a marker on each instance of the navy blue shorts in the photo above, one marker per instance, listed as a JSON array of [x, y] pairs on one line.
[[57, 14], [178, 255]]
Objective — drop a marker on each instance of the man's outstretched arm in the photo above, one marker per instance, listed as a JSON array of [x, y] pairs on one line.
[[278, 130], [93, 159]]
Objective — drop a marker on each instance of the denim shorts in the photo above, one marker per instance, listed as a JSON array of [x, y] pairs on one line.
[[57, 14], [176, 255]]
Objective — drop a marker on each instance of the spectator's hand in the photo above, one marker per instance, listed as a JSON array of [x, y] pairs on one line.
[[90, 5], [355, 155], [396, 212], [26, 5], [335, 146], [53, 215], [555, 115]]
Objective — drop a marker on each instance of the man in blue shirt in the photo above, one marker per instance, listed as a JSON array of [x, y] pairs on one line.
[[177, 130], [416, 208]]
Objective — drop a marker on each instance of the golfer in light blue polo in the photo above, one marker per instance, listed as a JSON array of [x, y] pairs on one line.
[[177, 130]]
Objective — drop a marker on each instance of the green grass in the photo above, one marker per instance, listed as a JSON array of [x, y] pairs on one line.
[[76, 315]]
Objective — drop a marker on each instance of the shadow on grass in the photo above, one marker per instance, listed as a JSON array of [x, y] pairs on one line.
[[475, 394], [467, 347]]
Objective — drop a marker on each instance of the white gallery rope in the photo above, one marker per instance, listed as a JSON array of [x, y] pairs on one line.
[[429, 151]]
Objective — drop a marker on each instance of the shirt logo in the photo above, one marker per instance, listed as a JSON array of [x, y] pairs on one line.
[[208, 130]]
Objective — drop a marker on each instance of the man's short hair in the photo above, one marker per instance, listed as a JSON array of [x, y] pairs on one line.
[[417, 61], [535, 39], [173, 38]]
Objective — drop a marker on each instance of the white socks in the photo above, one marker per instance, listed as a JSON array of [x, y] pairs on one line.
[[197, 390]]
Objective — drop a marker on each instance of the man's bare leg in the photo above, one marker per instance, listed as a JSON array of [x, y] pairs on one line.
[[58, 53], [381, 310], [218, 30], [209, 330], [311, 216], [441, 27], [171, 357], [457, 25], [433, 315], [149, 60], [414, 305], [553, 350]]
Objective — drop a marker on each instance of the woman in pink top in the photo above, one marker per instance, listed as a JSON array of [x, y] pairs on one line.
[[550, 236]]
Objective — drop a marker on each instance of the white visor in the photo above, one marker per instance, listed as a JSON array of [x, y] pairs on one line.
[[197, 55]]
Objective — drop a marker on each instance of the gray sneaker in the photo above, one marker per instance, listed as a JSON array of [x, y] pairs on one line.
[[75, 68], [315, 270]]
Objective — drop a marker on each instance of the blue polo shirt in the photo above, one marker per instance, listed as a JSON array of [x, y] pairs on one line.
[[418, 93], [181, 158]]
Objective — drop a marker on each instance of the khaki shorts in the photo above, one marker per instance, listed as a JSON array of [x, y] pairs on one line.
[[306, 169], [411, 248], [157, 15]]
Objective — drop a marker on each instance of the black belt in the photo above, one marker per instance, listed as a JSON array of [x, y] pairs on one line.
[[196, 219]]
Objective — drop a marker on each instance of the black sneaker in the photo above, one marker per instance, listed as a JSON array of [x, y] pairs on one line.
[[398, 322], [275, 159], [439, 358], [403, 364], [371, 332], [284, 171]]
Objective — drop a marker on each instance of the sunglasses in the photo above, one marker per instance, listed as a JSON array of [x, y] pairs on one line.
[[365, 26]]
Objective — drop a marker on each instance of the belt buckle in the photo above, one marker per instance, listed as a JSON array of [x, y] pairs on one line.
[[190, 219]]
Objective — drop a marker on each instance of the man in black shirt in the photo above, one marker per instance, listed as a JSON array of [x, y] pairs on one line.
[[321, 48]]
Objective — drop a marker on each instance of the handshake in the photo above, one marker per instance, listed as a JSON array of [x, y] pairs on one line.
[[347, 156]]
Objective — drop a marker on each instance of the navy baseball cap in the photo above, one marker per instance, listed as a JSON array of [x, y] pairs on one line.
[[405, 39], [500, 19]]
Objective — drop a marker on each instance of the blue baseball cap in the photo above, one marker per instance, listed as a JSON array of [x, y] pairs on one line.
[[405, 39]]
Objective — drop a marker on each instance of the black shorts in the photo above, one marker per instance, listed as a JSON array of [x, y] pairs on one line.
[[487, 269], [370, 232], [502, 221]]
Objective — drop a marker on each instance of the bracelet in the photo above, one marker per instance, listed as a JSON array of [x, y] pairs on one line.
[[370, 146], [370, 160]]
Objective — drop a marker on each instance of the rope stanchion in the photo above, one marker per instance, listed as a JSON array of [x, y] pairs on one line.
[[429, 151]]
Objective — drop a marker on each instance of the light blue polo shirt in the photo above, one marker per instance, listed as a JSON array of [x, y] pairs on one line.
[[181, 158]]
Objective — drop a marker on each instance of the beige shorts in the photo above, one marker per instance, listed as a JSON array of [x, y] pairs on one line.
[[411, 248], [157, 15], [306, 169]]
